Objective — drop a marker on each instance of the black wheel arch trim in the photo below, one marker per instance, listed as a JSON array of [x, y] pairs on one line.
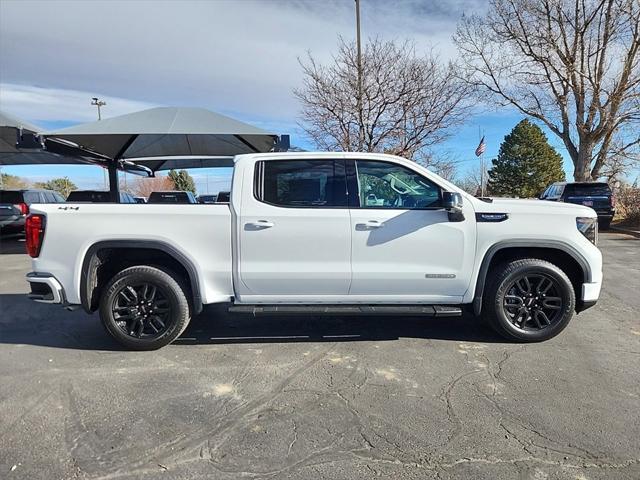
[[91, 261], [496, 247]]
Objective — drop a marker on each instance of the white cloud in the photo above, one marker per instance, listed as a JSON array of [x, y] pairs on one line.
[[53, 104], [235, 57]]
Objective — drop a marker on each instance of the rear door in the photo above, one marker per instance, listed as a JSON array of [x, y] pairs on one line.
[[294, 232], [404, 247]]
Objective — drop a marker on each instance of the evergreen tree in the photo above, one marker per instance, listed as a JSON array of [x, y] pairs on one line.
[[63, 185], [526, 163], [183, 181]]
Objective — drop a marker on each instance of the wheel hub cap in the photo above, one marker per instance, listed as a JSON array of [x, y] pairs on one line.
[[533, 302]]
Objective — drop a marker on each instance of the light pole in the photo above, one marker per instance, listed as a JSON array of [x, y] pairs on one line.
[[359, 99], [98, 103]]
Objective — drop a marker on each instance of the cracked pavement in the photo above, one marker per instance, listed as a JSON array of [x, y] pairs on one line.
[[322, 397]]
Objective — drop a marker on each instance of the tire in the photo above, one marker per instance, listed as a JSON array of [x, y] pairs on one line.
[[516, 314], [144, 308]]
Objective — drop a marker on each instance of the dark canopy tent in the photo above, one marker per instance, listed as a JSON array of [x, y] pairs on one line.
[[166, 137], [21, 144]]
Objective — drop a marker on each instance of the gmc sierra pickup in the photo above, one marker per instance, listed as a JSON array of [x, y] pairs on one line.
[[319, 233]]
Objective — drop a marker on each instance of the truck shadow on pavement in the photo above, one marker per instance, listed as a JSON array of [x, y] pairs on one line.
[[12, 244], [25, 322]]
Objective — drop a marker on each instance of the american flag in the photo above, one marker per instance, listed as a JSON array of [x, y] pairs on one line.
[[481, 147]]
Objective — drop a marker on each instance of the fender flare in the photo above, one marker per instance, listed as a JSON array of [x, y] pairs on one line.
[[496, 247], [90, 262]]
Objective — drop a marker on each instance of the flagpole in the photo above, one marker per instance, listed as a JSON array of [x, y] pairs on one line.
[[481, 165]]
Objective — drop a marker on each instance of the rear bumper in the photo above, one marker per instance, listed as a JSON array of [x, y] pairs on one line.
[[45, 288]]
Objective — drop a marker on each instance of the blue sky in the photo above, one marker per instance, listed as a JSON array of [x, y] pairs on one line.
[[238, 58]]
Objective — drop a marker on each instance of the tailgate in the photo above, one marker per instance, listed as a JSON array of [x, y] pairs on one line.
[[597, 202]]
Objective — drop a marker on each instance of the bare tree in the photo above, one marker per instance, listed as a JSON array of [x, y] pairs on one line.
[[572, 64], [443, 164], [143, 187], [472, 181], [409, 102], [619, 162]]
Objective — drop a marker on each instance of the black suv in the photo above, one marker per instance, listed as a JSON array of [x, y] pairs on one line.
[[97, 196], [596, 195], [173, 196], [14, 206]]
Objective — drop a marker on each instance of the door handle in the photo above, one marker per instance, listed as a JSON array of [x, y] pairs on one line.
[[370, 224], [261, 224]]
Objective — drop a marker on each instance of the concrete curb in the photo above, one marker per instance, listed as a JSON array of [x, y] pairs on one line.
[[628, 231]]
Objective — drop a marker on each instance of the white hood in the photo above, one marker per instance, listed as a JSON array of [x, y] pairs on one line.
[[529, 205]]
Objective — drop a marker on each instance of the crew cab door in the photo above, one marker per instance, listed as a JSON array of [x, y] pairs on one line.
[[405, 247], [294, 232]]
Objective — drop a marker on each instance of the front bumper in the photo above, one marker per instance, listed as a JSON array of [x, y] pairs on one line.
[[45, 288], [589, 297]]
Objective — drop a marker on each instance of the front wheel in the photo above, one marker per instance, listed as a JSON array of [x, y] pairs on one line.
[[144, 308], [529, 300]]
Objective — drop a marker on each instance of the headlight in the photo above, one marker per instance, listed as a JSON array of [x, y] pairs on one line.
[[588, 227]]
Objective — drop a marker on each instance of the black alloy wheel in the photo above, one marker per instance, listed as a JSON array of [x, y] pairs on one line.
[[533, 302], [145, 307], [528, 300], [142, 310]]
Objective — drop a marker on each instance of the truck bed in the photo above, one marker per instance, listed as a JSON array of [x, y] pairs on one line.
[[200, 232]]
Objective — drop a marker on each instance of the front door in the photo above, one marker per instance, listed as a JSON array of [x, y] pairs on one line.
[[295, 237], [405, 248]]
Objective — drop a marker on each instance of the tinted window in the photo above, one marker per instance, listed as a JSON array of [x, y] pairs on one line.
[[58, 197], [170, 197], [223, 197], [386, 185], [49, 197], [302, 183], [8, 196], [587, 189], [89, 196], [32, 197]]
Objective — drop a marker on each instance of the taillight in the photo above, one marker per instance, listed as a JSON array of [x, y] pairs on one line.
[[34, 230], [23, 207]]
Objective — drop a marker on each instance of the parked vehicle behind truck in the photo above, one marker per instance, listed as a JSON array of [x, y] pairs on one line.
[[320, 233], [596, 195], [15, 206]]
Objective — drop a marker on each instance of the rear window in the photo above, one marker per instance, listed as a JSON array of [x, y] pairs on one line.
[[8, 196], [169, 197], [80, 196], [587, 189], [32, 197], [301, 183]]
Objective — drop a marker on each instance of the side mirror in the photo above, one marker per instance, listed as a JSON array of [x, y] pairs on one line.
[[452, 203]]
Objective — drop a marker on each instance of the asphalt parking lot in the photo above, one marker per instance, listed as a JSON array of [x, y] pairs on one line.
[[322, 397]]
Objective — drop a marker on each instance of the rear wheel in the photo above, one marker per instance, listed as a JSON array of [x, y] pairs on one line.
[[144, 308], [529, 300]]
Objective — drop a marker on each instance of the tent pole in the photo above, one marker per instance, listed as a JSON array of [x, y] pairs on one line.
[[114, 188]]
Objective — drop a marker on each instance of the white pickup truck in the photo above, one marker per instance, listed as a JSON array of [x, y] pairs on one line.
[[320, 233]]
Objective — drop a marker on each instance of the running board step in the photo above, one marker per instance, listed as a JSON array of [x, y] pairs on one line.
[[418, 310]]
